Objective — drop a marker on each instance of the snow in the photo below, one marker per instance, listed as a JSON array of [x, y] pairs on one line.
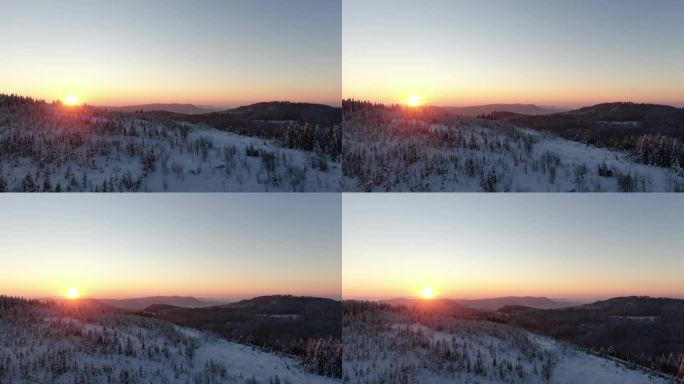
[[128, 152], [248, 363], [40, 344], [408, 347], [399, 154]]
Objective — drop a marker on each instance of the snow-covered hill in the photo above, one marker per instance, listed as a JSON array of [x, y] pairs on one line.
[[47, 147], [394, 346], [392, 153], [53, 343]]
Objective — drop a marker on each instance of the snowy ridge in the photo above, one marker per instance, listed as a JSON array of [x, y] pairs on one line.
[[47, 148], [408, 347], [390, 153], [52, 343]]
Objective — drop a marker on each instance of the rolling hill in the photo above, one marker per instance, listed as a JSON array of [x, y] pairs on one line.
[[651, 133], [643, 330], [307, 327], [391, 344]]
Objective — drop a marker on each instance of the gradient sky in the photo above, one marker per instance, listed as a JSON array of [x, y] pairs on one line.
[[463, 52], [216, 52], [206, 245], [479, 245]]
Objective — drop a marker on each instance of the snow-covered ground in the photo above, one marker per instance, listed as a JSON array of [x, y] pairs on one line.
[[45, 149], [393, 347], [481, 155], [38, 347]]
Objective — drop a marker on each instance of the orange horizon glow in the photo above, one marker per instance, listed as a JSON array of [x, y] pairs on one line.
[[568, 100], [147, 248], [99, 287], [472, 246], [562, 54], [124, 98]]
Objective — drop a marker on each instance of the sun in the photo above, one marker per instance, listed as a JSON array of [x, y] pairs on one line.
[[413, 101], [71, 100], [72, 293], [427, 293]]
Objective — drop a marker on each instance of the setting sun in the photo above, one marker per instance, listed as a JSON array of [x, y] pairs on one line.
[[71, 100], [413, 101], [426, 293], [72, 293]]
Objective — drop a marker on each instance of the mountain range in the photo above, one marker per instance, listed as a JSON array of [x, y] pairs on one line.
[[189, 109], [464, 306], [271, 111], [527, 109]]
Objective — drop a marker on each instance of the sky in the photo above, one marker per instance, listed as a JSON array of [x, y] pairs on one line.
[[208, 52], [224, 246], [562, 53], [585, 247]]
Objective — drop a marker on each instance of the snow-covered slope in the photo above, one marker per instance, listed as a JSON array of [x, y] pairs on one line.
[[400, 154], [397, 347], [49, 344], [50, 148]]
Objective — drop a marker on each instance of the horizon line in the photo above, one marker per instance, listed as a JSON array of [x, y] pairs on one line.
[[598, 297], [679, 104]]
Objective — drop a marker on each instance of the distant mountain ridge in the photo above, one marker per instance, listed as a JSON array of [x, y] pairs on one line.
[[465, 306], [494, 304], [189, 109], [269, 111], [140, 303], [527, 109]]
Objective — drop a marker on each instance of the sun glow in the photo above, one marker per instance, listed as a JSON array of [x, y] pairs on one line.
[[72, 293], [413, 101], [426, 293], [71, 100]]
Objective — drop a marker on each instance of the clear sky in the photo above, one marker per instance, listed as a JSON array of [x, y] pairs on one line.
[[205, 245], [463, 52], [215, 52], [479, 245]]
